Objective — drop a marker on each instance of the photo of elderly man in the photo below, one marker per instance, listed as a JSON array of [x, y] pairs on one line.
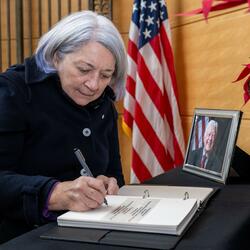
[[205, 157]]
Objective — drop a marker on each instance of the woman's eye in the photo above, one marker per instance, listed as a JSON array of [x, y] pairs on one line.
[[106, 76], [84, 71]]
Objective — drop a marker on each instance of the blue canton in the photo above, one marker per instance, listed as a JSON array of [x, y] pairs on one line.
[[147, 15]]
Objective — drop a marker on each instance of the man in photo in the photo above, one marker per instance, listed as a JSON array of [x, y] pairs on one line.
[[205, 157]]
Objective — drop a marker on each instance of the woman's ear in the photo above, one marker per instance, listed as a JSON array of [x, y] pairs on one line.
[[55, 61]]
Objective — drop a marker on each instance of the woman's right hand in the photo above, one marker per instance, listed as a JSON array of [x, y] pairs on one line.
[[81, 194]]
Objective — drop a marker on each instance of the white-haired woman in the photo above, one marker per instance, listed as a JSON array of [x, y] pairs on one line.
[[58, 100]]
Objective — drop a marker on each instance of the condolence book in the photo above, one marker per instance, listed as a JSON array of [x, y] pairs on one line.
[[151, 209]]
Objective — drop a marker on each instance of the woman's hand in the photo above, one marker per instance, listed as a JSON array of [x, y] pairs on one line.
[[82, 194], [110, 184]]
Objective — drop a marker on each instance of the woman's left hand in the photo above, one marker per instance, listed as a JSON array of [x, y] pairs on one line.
[[110, 184]]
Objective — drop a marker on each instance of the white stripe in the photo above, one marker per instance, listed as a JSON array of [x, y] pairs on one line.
[[133, 177], [200, 132], [132, 67], [144, 151], [133, 32], [129, 103], [167, 28]]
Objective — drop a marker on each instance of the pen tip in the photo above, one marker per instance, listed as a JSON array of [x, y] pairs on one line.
[[105, 202]]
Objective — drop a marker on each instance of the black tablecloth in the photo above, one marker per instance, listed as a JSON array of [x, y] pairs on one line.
[[224, 224]]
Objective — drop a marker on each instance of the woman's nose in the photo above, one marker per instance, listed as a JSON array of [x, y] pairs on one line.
[[93, 83]]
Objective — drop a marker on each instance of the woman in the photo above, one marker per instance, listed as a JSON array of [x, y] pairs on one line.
[[58, 100]]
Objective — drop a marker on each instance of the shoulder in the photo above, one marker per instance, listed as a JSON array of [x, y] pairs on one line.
[[12, 101], [9, 78], [12, 83]]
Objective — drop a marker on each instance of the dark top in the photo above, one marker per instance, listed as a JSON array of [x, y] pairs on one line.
[[213, 162], [39, 128]]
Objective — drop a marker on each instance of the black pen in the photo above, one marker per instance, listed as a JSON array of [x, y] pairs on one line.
[[85, 169]]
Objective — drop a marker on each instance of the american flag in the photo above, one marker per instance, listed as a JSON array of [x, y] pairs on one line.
[[200, 124], [151, 113]]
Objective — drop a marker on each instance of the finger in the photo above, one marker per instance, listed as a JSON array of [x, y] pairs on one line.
[[97, 184], [112, 186], [105, 179], [95, 195]]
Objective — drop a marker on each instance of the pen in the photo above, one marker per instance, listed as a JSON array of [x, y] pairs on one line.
[[85, 169]]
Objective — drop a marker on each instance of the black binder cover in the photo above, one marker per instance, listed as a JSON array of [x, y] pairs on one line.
[[118, 238]]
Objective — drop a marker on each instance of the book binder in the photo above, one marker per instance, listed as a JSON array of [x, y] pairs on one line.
[[125, 238]]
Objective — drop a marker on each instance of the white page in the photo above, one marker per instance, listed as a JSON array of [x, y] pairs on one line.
[[166, 216]]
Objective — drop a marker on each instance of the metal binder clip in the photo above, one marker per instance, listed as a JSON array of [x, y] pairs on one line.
[[145, 194], [186, 196]]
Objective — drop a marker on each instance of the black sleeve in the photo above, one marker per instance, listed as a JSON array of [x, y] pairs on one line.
[[115, 167], [22, 196]]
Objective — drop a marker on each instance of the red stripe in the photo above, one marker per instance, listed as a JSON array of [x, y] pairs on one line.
[[168, 54], [168, 112], [152, 139], [128, 118], [155, 44], [132, 50], [130, 86], [150, 85], [140, 170], [178, 155]]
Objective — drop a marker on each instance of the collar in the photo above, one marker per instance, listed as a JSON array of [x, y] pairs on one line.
[[33, 74]]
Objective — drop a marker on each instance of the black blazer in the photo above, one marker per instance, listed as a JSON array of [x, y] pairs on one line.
[[39, 128], [213, 162]]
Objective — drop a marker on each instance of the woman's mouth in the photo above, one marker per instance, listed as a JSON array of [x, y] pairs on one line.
[[85, 94]]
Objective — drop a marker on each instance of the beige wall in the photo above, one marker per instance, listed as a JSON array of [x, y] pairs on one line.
[[208, 57]]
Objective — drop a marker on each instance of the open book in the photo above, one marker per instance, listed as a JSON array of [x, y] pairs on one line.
[[154, 209]]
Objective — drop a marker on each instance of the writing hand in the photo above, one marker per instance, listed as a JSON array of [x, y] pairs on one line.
[[81, 194]]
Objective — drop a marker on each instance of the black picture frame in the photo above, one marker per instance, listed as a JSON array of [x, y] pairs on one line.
[[211, 143]]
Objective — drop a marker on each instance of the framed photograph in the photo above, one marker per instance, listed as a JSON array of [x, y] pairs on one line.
[[211, 143]]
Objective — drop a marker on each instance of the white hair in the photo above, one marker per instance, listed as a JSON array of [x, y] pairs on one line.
[[212, 124], [77, 29]]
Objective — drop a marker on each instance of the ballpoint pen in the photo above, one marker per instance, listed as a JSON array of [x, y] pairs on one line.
[[85, 171]]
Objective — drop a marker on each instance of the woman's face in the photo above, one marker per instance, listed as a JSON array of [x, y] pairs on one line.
[[84, 74]]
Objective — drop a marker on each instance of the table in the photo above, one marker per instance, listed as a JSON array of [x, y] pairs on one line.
[[224, 224]]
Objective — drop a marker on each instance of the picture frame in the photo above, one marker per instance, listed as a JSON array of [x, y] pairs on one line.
[[211, 143]]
